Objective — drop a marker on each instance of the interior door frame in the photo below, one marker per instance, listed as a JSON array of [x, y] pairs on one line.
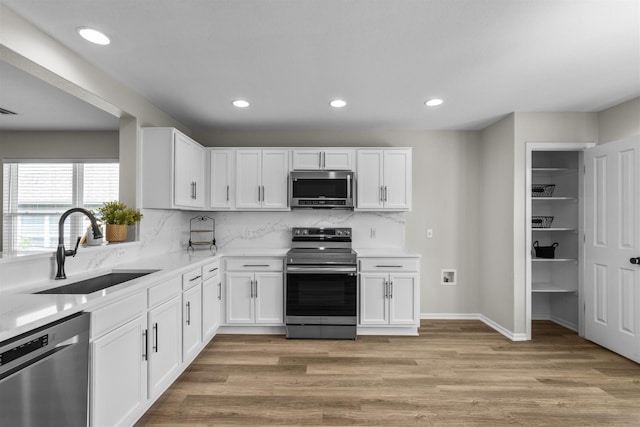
[[553, 146]]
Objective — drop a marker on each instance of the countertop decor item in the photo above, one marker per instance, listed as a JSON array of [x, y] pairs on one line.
[[202, 233], [117, 217]]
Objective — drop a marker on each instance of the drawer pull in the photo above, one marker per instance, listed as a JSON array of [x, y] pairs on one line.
[[256, 265], [388, 266], [211, 271], [195, 278]]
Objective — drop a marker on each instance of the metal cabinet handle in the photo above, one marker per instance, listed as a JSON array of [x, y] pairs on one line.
[[155, 337], [386, 289], [250, 288], [145, 345], [391, 289], [195, 190], [219, 290], [324, 160], [263, 193], [227, 193], [382, 193], [386, 193], [255, 294], [320, 160], [188, 312], [635, 260], [212, 270], [255, 265], [388, 266], [194, 278]]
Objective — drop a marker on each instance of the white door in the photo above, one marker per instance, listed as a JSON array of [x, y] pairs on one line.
[[119, 375], [210, 312], [397, 179], [239, 297], [338, 159], [222, 168], [183, 182], [612, 228], [248, 179], [369, 189], [269, 298], [374, 296], [307, 159], [191, 321], [165, 356], [275, 174], [402, 300]]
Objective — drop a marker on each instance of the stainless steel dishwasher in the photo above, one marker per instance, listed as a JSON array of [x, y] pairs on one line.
[[44, 375]]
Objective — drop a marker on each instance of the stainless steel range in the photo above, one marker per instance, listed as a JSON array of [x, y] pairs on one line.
[[321, 284]]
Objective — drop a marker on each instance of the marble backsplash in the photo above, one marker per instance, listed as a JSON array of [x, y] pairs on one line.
[[236, 230], [163, 231]]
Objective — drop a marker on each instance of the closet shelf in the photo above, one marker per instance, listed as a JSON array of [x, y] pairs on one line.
[[554, 199], [554, 260], [550, 288], [553, 171], [553, 229]]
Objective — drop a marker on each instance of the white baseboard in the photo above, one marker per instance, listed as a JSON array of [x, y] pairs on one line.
[[476, 316]]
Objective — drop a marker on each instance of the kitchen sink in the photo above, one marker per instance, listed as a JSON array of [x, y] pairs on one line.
[[97, 283]]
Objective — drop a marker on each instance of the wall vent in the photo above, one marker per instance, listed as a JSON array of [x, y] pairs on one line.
[[7, 112]]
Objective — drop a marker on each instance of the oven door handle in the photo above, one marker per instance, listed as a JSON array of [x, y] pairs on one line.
[[321, 270]]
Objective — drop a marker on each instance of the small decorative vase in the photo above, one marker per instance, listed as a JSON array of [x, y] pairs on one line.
[[116, 233]]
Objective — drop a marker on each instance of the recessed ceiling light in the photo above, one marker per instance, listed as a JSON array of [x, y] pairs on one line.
[[433, 102], [94, 36], [338, 103], [240, 103]]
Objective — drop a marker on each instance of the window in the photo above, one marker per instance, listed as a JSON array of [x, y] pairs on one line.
[[36, 194]]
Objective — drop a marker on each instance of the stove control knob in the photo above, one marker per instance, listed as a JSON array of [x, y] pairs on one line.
[[339, 232], [346, 232]]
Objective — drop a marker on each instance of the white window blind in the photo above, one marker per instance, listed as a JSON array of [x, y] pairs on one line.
[[36, 194]]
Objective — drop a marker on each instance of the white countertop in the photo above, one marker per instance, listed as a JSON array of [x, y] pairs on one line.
[[23, 311], [386, 253]]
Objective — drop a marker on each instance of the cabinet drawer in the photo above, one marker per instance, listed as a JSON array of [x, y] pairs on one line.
[[254, 264], [388, 264], [164, 291], [118, 313], [211, 270], [191, 278]]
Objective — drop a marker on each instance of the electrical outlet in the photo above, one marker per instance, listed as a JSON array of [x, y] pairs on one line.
[[372, 233], [429, 233]]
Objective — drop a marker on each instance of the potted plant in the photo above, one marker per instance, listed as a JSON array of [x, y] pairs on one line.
[[117, 217]]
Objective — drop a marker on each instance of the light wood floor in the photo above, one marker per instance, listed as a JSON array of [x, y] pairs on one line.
[[454, 373]]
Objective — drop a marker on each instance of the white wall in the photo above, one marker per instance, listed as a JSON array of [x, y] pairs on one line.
[[495, 249], [619, 121], [446, 194]]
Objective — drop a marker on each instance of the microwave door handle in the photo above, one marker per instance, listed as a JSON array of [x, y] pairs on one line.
[[348, 186]]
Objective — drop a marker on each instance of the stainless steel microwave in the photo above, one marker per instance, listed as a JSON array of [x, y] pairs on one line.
[[321, 189]]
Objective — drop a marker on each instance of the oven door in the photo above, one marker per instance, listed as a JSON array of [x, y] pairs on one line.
[[316, 295]]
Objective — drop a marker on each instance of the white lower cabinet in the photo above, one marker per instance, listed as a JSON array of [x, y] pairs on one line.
[[191, 322], [211, 299], [164, 357], [389, 292], [255, 298], [254, 291], [140, 344], [119, 371]]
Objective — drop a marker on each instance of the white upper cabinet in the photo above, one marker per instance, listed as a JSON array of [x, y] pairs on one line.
[[222, 163], [173, 170], [261, 179], [329, 159], [384, 179]]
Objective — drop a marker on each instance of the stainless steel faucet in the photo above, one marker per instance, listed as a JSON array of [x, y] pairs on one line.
[[61, 252]]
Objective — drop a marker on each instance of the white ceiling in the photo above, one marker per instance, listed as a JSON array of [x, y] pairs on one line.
[[289, 58]]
